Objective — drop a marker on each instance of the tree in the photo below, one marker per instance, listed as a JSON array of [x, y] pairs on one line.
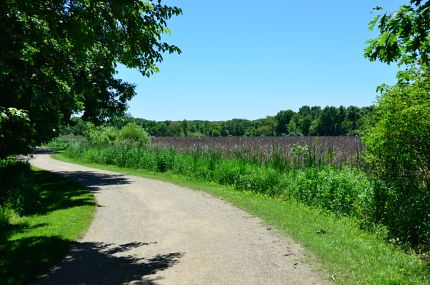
[[327, 121], [58, 57], [398, 135], [403, 38], [305, 119], [15, 127], [292, 128], [282, 120]]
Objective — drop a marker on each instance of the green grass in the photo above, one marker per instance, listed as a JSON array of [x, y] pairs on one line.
[[350, 255], [31, 244]]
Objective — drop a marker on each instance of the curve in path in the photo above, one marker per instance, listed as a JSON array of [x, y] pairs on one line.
[[151, 232]]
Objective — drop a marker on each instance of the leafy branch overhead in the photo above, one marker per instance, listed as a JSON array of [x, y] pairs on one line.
[[403, 36], [58, 57]]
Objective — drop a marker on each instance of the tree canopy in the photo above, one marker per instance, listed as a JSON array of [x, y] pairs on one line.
[[314, 121], [404, 38], [58, 57]]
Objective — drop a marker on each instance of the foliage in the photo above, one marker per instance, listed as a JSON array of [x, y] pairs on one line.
[[58, 57], [15, 130], [129, 135], [398, 149], [339, 190], [308, 121], [101, 135], [133, 134], [403, 37]]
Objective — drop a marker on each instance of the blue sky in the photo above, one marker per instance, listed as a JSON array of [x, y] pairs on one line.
[[250, 59]]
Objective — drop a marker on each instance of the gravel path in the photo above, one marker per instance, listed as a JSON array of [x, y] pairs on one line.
[[151, 232]]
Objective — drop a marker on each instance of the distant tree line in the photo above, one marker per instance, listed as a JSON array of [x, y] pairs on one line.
[[308, 121]]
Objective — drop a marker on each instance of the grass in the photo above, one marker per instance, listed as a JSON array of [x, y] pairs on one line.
[[31, 244], [350, 255]]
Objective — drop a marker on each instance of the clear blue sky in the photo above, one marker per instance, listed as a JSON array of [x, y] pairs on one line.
[[250, 59]]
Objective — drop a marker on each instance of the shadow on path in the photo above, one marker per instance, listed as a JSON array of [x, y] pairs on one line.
[[93, 180], [99, 263]]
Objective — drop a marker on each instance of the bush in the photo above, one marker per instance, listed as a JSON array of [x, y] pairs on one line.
[[398, 151], [228, 172], [58, 143], [132, 134], [339, 190], [264, 180], [101, 136]]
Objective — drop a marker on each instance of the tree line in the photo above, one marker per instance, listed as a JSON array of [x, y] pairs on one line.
[[308, 121]]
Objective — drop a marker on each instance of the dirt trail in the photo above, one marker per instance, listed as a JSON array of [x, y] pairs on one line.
[[151, 232]]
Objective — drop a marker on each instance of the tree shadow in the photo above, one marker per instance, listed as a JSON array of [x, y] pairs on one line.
[[59, 193], [10, 229], [53, 192], [43, 150], [87, 262], [99, 263], [22, 259], [93, 180]]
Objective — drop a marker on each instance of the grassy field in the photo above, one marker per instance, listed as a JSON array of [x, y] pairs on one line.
[[31, 244], [350, 254]]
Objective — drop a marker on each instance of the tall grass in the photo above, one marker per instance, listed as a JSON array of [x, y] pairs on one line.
[[315, 150]]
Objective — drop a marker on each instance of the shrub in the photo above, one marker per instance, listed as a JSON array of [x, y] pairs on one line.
[[265, 180], [132, 134], [58, 143], [228, 172], [165, 160], [339, 190], [101, 136], [398, 151]]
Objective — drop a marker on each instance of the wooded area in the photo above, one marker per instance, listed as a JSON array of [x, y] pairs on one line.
[[308, 121]]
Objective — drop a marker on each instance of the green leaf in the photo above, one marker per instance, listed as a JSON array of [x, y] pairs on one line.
[[373, 22]]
